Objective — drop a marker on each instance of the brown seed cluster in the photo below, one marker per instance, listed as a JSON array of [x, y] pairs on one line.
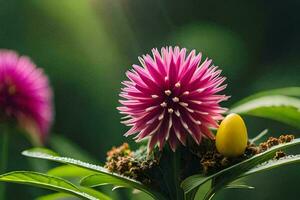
[[121, 151], [123, 161], [119, 159], [212, 161], [272, 141]]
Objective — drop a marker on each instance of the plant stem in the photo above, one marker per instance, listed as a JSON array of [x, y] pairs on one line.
[[176, 174], [166, 182], [4, 156]]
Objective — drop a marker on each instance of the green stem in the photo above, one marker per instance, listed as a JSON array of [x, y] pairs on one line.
[[4, 156], [166, 182], [176, 174]]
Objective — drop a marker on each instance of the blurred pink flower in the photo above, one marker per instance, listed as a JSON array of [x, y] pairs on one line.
[[25, 94], [172, 97]]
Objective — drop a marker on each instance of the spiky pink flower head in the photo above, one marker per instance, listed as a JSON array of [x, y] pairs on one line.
[[172, 96], [25, 94]]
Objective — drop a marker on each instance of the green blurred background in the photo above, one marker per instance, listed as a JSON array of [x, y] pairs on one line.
[[85, 46]]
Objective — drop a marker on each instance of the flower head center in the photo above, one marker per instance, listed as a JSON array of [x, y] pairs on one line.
[[172, 100], [7, 92]]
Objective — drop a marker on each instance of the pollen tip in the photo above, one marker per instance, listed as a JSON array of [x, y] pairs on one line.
[[177, 84], [170, 110], [168, 92], [164, 104], [175, 99], [186, 93], [184, 104]]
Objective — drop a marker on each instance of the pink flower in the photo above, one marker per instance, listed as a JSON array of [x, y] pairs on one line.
[[171, 97], [25, 94]]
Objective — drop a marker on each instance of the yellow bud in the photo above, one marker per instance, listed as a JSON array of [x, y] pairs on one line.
[[232, 137]]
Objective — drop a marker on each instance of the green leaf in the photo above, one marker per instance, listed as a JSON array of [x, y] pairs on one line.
[[98, 169], [268, 165], [288, 91], [95, 193], [201, 192], [281, 108], [271, 164], [225, 176], [36, 153], [95, 180], [74, 173], [45, 181], [69, 171], [239, 187], [57, 196], [238, 184], [138, 195], [45, 151], [65, 196]]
